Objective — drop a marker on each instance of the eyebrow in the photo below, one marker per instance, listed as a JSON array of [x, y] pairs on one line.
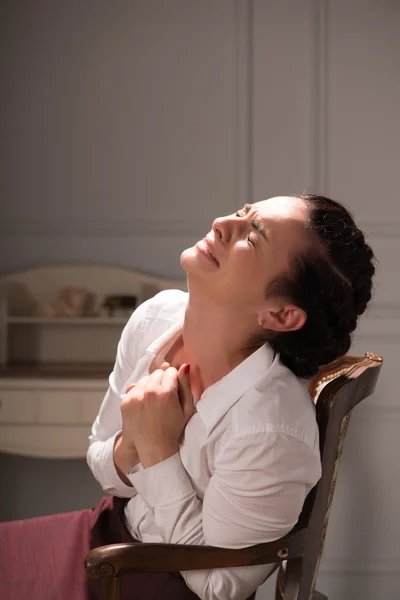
[[255, 224]]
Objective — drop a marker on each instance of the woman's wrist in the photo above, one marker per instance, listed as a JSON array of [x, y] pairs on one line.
[[152, 456], [125, 457]]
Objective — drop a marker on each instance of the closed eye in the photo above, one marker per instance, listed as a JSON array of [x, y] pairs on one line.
[[259, 228], [256, 226]]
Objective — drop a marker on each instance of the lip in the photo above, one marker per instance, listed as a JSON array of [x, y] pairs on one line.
[[211, 249], [207, 249]]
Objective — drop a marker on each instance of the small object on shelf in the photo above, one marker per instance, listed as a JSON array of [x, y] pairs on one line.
[[118, 305], [71, 302]]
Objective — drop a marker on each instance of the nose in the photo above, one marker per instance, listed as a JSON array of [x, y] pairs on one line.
[[222, 229], [229, 227], [219, 229]]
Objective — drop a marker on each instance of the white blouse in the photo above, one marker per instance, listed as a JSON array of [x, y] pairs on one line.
[[246, 462]]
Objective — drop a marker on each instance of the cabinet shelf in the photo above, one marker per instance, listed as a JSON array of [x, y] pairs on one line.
[[56, 370]]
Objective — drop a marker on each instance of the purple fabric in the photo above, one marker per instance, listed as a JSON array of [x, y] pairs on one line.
[[42, 558]]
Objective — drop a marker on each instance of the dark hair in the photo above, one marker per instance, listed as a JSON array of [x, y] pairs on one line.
[[331, 282]]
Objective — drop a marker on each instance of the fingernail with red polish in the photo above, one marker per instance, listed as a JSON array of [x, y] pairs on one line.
[[187, 370]]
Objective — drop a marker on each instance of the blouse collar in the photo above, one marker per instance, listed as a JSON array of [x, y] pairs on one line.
[[217, 399], [222, 395]]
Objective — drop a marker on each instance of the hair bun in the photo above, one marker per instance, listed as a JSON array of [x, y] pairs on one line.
[[332, 283]]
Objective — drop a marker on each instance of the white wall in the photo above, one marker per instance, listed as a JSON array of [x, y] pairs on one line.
[[119, 121], [129, 125]]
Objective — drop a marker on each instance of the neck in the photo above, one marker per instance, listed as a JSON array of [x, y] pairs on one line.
[[214, 342]]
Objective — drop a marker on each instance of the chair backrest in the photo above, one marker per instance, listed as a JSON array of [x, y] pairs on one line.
[[336, 390]]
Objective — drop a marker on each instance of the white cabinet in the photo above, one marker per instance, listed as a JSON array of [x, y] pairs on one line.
[[17, 406], [56, 407], [48, 417], [54, 371], [88, 406]]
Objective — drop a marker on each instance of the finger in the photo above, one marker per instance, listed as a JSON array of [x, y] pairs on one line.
[[184, 391], [155, 378], [139, 385], [165, 366], [170, 379]]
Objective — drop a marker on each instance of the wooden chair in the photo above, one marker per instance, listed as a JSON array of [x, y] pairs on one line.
[[336, 390]]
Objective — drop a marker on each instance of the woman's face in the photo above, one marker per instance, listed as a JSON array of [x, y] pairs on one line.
[[246, 250]]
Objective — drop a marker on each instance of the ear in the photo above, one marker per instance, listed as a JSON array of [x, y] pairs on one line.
[[287, 317]]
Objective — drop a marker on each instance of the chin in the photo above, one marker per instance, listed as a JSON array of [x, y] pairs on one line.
[[196, 275], [187, 257], [190, 262]]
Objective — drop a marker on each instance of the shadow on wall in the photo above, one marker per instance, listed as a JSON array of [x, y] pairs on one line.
[[34, 487]]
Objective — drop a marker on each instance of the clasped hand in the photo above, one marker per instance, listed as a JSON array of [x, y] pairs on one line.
[[155, 412]]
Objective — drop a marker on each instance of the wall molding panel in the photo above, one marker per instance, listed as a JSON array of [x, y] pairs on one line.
[[319, 95], [375, 567], [378, 328], [381, 229], [374, 412], [243, 95]]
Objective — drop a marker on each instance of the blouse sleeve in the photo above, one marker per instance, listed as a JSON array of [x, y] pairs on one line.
[[100, 455], [254, 496]]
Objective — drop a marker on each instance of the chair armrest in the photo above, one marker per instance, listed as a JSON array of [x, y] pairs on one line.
[[118, 559]]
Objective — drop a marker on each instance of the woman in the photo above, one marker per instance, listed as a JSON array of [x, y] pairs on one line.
[[207, 434]]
